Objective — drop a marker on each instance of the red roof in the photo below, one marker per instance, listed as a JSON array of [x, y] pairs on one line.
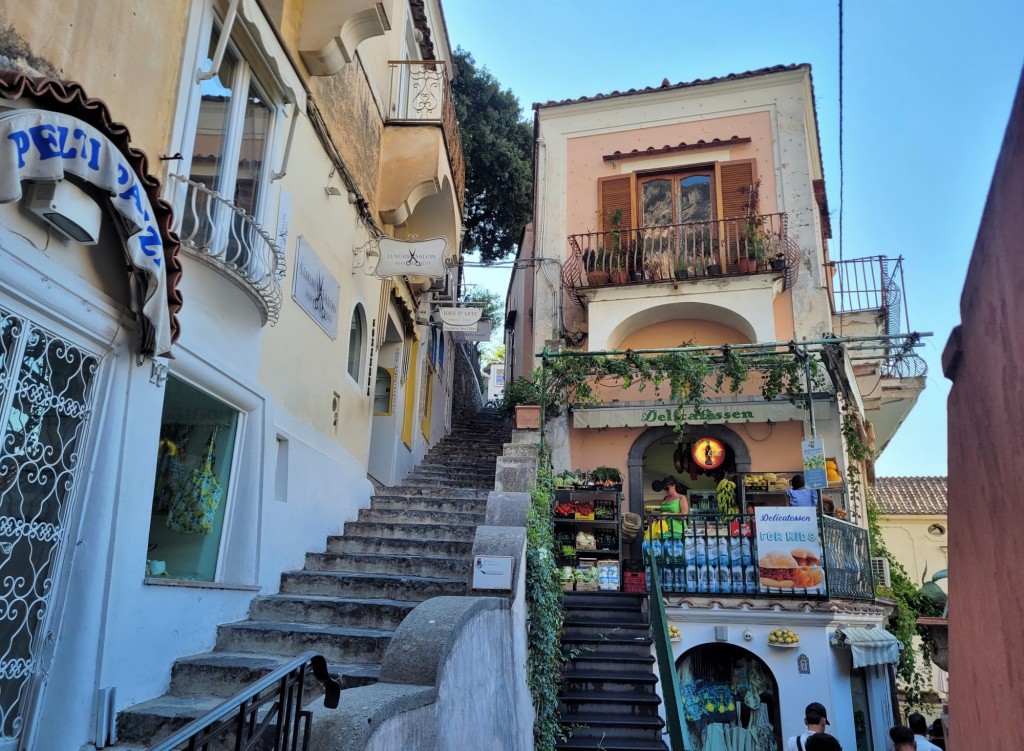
[[902, 496]]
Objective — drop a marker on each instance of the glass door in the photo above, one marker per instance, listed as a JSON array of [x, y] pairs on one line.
[[861, 710]]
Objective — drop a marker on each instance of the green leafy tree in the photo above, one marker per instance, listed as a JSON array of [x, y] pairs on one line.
[[492, 304], [498, 147]]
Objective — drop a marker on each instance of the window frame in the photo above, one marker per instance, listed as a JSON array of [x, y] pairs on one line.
[[360, 365], [675, 175]]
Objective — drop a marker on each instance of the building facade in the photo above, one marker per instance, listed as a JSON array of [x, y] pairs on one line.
[[690, 222], [202, 357]]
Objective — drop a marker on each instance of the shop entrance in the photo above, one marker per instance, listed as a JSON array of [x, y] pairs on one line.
[[730, 699]]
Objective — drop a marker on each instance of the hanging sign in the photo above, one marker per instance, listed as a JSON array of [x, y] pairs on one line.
[[478, 332], [44, 145], [789, 549], [314, 289], [411, 257], [709, 453], [815, 475], [460, 316]]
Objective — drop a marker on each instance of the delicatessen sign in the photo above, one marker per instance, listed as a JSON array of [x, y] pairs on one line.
[[789, 549]]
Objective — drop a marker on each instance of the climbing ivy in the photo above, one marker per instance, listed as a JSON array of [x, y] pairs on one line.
[[544, 598]]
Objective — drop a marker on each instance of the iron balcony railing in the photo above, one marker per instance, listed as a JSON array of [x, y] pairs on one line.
[[673, 702], [681, 251], [875, 284], [210, 225], [848, 559], [716, 554], [268, 715], [420, 93]]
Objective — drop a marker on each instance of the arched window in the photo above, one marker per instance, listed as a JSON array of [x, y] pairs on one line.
[[356, 334]]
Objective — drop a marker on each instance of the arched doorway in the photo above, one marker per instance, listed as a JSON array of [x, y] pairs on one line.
[[730, 699]]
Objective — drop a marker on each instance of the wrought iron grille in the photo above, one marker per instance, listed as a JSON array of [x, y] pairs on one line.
[[267, 715], [213, 226], [847, 559], [46, 390]]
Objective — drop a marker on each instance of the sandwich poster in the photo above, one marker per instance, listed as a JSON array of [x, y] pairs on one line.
[[789, 549]]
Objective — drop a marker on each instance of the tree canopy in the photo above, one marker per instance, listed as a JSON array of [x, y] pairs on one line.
[[498, 147]]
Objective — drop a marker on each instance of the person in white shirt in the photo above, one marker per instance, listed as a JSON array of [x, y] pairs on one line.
[[815, 718], [919, 725]]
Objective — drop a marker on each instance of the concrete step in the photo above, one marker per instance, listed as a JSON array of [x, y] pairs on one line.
[[225, 674], [605, 613], [400, 546], [605, 726], [429, 503], [151, 721], [575, 629], [586, 660], [335, 643], [611, 744], [369, 586], [450, 482], [641, 705], [603, 599], [422, 532], [601, 646], [435, 492], [335, 611], [375, 563], [620, 682], [419, 516]]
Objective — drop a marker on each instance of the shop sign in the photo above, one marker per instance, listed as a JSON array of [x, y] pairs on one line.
[[709, 453], [411, 257], [789, 549], [459, 316], [478, 332], [44, 145], [315, 290], [492, 572], [643, 416], [815, 475]]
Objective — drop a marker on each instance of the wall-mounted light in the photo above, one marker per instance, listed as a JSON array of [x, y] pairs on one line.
[[332, 191]]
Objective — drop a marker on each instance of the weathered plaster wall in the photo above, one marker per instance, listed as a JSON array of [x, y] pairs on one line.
[[984, 359], [84, 41]]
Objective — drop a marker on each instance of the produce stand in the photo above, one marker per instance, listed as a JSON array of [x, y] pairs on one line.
[[587, 535]]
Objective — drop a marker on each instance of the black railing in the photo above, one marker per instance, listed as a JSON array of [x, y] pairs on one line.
[[716, 554], [266, 715], [847, 559]]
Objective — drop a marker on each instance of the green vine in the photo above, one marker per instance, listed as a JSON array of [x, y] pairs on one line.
[[544, 599]]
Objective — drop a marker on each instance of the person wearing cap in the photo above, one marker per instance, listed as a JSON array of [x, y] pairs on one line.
[[815, 718]]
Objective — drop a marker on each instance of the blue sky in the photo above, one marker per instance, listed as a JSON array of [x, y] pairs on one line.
[[927, 89]]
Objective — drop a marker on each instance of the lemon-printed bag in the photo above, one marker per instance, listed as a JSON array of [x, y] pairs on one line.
[[195, 504]]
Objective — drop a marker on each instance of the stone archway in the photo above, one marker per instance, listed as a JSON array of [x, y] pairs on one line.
[[635, 462]]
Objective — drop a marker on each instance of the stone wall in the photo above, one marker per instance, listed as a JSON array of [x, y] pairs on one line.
[[467, 399]]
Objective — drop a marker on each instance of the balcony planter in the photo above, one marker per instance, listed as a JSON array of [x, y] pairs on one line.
[[528, 416], [680, 273], [620, 276], [597, 278], [746, 265], [714, 269], [778, 263]]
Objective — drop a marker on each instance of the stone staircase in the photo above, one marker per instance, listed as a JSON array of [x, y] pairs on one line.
[[414, 542], [608, 698]]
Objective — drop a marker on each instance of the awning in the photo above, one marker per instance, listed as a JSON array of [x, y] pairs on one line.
[[870, 646]]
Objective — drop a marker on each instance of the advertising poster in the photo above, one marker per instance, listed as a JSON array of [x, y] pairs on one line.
[[814, 463], [789, 549]]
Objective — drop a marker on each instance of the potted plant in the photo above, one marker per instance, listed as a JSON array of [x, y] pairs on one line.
[[711, 266], [596, 264], [778, 262]]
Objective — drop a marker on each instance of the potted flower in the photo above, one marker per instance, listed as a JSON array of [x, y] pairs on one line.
[[711, 266], [597, 264], [779, 262]]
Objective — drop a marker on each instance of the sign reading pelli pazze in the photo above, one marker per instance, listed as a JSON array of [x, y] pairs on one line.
[[814, 463], [411, 257]]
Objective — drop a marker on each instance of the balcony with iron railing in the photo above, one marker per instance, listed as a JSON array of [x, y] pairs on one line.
[[708, 553], [420, 94], [680, 252], [215, 229], [872, 289]]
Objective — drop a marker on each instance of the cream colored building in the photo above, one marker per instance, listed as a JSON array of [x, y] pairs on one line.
[[193, 209], [912, 517]]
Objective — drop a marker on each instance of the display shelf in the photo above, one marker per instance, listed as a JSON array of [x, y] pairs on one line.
[[605, 530], [784, 646]]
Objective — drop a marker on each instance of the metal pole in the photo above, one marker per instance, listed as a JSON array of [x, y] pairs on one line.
[[543, 391], [810, 395]]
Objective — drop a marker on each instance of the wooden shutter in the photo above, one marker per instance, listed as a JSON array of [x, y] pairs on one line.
[[615, 193], [735, 179]]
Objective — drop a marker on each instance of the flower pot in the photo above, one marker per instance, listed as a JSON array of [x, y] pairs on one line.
[[620, 277], [714, 269], [528, 416], [680, 273], [746, 265], [636, 276], [778, 264], [597, 278]]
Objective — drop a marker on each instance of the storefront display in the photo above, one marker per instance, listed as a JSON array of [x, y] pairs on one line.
[[587, 540], [730, 700]]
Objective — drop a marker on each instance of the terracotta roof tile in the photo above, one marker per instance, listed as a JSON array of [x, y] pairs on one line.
[[665, 85], [910, 495]]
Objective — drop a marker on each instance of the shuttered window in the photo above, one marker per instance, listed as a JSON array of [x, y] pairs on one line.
[[616, 194], [735, 180]]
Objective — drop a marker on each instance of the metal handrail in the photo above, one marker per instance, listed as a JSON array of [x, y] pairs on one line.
[[213, 226], [847, 559], [241, 712], [666, 666]]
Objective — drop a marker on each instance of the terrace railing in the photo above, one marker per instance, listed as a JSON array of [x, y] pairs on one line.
[[420, 94], [716, 554]]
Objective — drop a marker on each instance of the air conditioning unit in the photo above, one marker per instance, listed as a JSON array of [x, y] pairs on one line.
[[880, 570], [65, 207]]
